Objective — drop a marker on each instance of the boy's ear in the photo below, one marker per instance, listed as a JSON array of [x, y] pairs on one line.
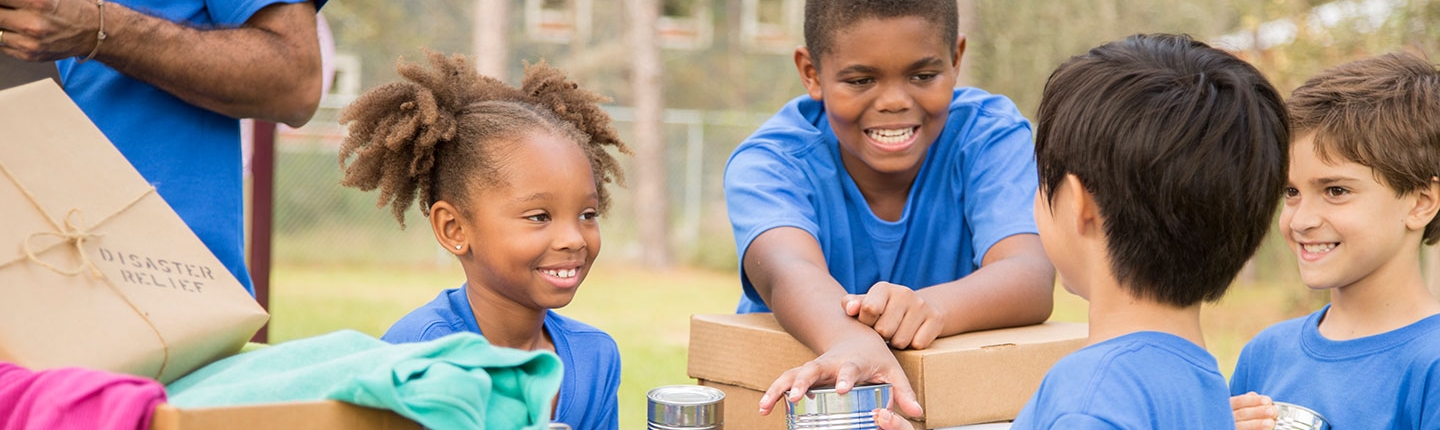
[[959, 51], [445, 222], [809, 69], [1087, 214], [1427, 203]]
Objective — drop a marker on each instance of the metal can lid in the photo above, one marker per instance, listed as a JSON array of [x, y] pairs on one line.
[[686, 406]]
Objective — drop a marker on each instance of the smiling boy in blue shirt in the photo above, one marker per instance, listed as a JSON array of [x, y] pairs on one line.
[[885, 208]]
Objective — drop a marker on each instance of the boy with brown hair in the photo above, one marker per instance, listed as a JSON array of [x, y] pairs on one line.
[[1161, 162], [1361, 198], [886, 207]]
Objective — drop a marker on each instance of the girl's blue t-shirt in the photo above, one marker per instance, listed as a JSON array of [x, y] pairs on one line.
[[975, 188], [1386, 381], [1143, 380], [588, 396]]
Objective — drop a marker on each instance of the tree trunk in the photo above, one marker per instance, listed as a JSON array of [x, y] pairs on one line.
[[967, 27], [652, 205], [491, 38]]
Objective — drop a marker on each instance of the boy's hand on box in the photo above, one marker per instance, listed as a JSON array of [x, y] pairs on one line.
[[847, 363], [1253, 412], [887, 420], [900, 315]]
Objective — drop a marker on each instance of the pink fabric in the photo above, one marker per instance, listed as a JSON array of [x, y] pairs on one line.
[[74, 398]]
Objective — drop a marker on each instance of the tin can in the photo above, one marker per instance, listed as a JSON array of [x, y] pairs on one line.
[[558, 426], [686, 407], [824, 409], [1295, 417]]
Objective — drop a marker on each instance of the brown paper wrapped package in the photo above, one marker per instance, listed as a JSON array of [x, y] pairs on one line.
[[96, 270]]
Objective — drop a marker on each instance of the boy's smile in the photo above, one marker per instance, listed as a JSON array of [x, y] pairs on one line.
[[1345, 227], [886, 85]]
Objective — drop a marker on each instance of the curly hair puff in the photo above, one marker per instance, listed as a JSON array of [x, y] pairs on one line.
[[426, 138]]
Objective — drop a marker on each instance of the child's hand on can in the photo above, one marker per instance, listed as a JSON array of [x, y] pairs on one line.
[[1253, 412]]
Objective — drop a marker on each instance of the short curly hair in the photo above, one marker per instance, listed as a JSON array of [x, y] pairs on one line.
[[428, 137], [826, 18]]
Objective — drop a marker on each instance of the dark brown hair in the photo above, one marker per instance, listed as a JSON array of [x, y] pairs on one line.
[[1183, 147], [1380, 112], [429, 137], [825, 18]]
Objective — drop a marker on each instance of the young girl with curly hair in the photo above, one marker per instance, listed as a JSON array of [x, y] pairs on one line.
[[513, 183]]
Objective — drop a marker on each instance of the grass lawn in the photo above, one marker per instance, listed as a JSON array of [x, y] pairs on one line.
[[648, 312]]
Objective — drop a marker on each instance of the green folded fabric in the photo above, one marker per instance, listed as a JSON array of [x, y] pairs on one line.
[[455, 382]]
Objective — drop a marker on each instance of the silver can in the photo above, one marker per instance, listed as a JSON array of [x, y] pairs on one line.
[[686, 407], [1295, 417], [824, 409], [558, 426]]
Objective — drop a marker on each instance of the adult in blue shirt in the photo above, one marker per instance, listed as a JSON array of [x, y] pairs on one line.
[[165, 81]]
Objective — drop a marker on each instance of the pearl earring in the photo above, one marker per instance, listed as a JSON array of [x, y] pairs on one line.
[[457, 247]]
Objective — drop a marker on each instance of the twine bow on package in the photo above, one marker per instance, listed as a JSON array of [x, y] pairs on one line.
[[96, 270]]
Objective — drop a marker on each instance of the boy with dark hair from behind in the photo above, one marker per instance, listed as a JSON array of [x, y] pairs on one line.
[[1362, 197], [886, 207], [1161, 162]]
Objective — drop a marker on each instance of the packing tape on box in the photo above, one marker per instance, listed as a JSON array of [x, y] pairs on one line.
[[75, 233]]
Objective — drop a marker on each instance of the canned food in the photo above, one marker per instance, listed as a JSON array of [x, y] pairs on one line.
[[824, 409], [1295, 417], [559, 426], [688, 407]]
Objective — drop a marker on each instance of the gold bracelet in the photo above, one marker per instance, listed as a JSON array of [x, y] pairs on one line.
[[99, 35]]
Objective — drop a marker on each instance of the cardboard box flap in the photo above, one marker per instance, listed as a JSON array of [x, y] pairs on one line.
[[744, 350], [96, 270]]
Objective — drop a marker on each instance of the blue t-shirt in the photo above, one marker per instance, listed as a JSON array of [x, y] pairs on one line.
[[1144, 380], [588, 396], [189, 154], [976, 186], [1386, 381]]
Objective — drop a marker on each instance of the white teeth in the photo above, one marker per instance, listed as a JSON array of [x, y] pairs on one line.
[[1319, 248], [562, 274], [891, 136]]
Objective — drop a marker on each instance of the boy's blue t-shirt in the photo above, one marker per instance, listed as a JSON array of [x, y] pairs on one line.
[[1144, 380], [1386, 381], [191, 155], [588, 396], [976, 187]]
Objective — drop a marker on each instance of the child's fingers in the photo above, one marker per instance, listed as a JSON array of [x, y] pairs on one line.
[[928, 332], [776, 391], [1265, 424], [1253, 412], [887, 420], [904, 396], [851, 304], [1256, 413], [1250, 399], [872, 306], [908, 331]]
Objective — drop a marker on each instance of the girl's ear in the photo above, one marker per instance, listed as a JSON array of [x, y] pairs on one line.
[[445, 222], [1427, 203]]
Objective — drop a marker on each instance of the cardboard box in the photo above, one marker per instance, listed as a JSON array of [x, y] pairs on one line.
[[317, 415], [97, 270], [971, 378]]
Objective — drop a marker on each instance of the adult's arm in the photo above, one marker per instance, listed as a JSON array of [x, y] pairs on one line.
[[268, 68]]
